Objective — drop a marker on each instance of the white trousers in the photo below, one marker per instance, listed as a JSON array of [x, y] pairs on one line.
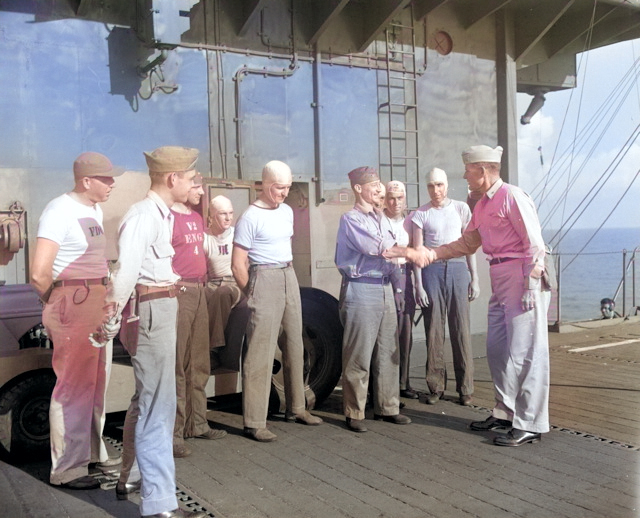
[[518, 350]]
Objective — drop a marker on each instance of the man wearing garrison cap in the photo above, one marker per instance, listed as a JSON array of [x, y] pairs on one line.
[[505, 224], [69, 271], [367, 307], [145, 268]]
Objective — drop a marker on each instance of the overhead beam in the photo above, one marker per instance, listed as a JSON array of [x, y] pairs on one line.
[[377, 15], [477, 11], [533, 24], [422, 8], [571, 28], [606, 33], [250, 13], [324, 13]]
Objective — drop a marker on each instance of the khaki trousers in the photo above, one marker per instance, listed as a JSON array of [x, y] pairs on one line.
[[369, 348], [221, 299], [274, 304], [76, 414], [193, 366]]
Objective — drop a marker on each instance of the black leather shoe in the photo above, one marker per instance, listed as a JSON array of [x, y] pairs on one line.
[[395, 419], [123, 490], [356, 425], [517, 437], [81, 483], [490, 423], [177, 513], [409, 394]]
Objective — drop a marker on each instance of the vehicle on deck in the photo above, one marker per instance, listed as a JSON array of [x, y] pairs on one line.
[[27, 378]]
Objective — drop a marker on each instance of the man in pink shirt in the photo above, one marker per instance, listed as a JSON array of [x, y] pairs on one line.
[[505, 223]]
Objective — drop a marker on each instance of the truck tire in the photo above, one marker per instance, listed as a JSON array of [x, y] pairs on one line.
[[24, 417], [322, 339]]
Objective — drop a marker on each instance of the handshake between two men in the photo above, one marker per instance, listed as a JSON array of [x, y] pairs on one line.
[[420, 256]]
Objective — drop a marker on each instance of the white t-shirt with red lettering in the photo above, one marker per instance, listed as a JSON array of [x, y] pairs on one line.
[[78, 230]]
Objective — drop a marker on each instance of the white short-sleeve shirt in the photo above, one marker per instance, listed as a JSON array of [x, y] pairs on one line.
[[78, 230], [266, 234]]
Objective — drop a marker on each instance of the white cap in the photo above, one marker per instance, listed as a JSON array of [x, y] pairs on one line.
[[437, 175], [482, 154], [396, 186]]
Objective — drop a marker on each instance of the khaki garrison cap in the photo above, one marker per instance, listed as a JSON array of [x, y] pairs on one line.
[[363, 175], [171, 159]]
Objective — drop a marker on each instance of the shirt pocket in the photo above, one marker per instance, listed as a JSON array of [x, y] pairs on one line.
[[163, 254]]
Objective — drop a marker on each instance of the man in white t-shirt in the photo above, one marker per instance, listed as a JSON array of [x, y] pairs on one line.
[[445, 288], [69, 271], [223, 293], [261, 265]]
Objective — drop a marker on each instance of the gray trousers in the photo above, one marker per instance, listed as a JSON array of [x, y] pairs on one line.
[[152, 411], [274, 304], [369, 348], [518, 350], [447, 286]]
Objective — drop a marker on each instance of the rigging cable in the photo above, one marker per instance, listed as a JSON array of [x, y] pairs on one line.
[[586, 160], [586, 132], [634, 136], [606, 219]]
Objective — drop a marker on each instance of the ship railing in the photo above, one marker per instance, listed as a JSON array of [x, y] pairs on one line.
[[627, 281]]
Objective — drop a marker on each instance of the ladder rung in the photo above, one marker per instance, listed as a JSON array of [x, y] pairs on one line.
[[403, 77], [403, 104], [406, 52], [405, 130], [404, 157], [401, 26]]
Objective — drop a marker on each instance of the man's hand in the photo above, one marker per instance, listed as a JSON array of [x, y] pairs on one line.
[[110, 328], [474, 290], [422, 299], [421, 256], [398, 296], [528, 300]]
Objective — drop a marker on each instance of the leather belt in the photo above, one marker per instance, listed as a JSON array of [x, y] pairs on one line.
[[217, 281], [270, 266], [81, 282], [498, 260], [191, 283], [146, 293], [371, 280]]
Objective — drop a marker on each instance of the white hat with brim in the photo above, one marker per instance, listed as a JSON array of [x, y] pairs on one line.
[[482, 153]]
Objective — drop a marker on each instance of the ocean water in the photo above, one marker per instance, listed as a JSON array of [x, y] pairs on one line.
[[596, 273]]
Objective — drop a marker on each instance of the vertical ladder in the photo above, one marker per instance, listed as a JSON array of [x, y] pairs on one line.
[[398, 137]]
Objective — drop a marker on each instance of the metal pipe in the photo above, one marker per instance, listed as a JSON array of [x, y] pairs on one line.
[[237, 78], [624, 283], [635, 4], [633, 279], [317, 125], [559, 290], [143, 70]]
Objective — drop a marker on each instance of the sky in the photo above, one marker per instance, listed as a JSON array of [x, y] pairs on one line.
[[601, 135]]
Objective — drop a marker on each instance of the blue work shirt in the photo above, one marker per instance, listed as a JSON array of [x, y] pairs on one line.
[[362, 237]]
